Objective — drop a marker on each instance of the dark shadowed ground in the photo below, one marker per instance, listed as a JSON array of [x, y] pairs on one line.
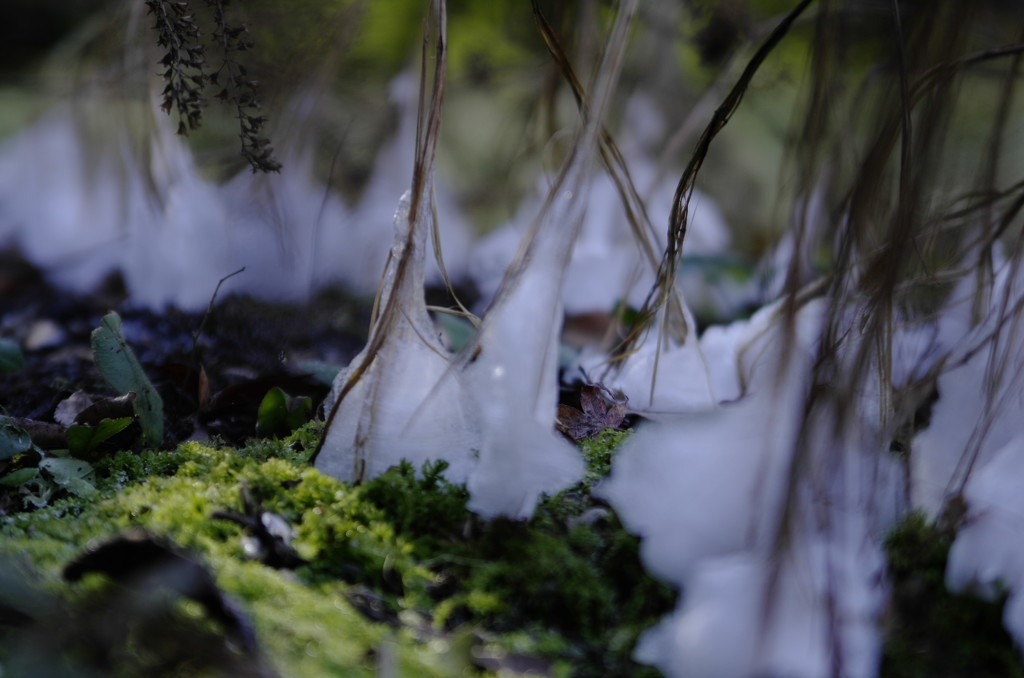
[[211, 375]]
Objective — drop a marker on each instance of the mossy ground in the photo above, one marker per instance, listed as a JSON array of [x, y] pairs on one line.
[[934, 633], [398, 577]]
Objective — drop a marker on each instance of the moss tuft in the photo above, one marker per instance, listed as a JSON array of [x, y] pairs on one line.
[[572, 574], [597, 452]]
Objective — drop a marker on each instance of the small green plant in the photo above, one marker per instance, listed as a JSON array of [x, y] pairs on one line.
[[40, 476], [581, 603], [117, 363], [83, 440], [280, 413], [14, 439]]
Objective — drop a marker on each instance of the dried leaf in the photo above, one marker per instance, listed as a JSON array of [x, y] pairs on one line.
[[268, 535], [101, 409], [602, 409]]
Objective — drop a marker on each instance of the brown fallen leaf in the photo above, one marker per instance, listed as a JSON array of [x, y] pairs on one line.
[[601, 409], [89, 409]]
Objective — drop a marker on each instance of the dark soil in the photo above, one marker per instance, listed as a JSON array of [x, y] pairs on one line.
[[211, 375]]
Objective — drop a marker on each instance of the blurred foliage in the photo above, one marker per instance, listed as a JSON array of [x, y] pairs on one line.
[[356, 46], [323, 69]]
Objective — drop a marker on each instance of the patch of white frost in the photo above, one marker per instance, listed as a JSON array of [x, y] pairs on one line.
[[59, 204], [666, 377], [980, 405], [84, 200], [407, 403], [690, 376], [514, 380], [778, 556]]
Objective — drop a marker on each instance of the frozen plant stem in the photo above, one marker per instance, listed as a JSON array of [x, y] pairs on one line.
[[375, 411], [489, 411], [512, 363]]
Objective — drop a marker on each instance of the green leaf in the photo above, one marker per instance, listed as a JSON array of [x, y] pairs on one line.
[[71, 474], [85, 439], [13, 438], [11, 357], [300, 409], [272, 413], [280, 413], [119, 366], [19, 477], [79, 487]]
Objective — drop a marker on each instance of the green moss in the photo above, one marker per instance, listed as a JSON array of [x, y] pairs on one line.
[[397, 570], [125, 468], [571, 575], [934, 633], [425, 505], [306, 625], [598, 451]]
